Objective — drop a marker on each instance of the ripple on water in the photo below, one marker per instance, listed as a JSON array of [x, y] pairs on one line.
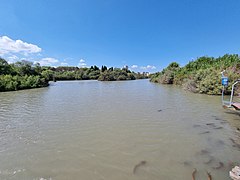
[[97, 130]]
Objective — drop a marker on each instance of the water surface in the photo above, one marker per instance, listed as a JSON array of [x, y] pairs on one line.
[[102, 130]]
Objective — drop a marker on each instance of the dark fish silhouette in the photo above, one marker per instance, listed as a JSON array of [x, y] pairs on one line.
[[138, 165], [218, 127], [160, 110], [210, 124], [210, 160], [217, 118], [237, 146], [187, 163], [205, 132], [203, 151], [233, 141], [220, 165]]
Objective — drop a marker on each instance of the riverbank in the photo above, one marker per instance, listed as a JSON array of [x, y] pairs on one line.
[[26, 75], [202, 75]]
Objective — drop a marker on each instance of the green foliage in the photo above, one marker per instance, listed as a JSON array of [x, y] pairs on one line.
[[13, 83], [4, 67], [167, 76], [25, 74], [104, 68], [21, 75], [48, 74], [116, 74], [202, 75], [92, 73]]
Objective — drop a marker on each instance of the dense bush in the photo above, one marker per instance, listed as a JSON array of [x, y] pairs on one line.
[[13, 83], [202, 75], [117, 74], [20, 75]]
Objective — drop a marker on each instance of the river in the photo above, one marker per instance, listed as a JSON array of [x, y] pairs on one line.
[[104, 130]]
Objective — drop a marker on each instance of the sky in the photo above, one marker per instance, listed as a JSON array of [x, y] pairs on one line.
[[145, 35]]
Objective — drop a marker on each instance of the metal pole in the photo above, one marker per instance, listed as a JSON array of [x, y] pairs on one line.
[[232, 93], [222, 95]]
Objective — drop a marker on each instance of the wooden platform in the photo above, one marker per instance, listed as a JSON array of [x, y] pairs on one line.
[[236, 105]]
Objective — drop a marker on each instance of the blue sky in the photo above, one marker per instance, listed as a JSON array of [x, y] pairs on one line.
[[146, 35]]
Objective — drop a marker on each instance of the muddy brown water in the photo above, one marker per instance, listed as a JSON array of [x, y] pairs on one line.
[[103, 130]]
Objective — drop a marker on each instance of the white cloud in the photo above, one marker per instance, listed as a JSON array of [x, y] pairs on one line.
[[8, 46], [12, 59], [148, 67], [134, 66], [151, 67], [47, 61], [82, 63]]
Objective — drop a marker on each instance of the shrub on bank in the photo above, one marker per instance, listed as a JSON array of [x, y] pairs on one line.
[[202, 75], [13, 83]]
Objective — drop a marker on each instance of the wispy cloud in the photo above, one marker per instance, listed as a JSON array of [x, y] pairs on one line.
[[13, 59], [47, 61], [82, 63], [134, 66], [9, 46], [17, 50], [148, 67]]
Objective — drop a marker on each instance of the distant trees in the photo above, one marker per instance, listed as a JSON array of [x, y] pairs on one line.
[[73, 73], [92, 73], [104, 68], [202, 75], [117, 74], [24, 74]]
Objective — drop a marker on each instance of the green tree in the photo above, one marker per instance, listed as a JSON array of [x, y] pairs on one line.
[[4, 66], [202, 75]]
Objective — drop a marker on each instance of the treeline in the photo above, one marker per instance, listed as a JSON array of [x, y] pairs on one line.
[[92, 73], [25, 74], [20, 75], [202, 75], [117, 74]]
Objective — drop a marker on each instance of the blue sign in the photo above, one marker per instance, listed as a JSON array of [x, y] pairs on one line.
[[224, 81]]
